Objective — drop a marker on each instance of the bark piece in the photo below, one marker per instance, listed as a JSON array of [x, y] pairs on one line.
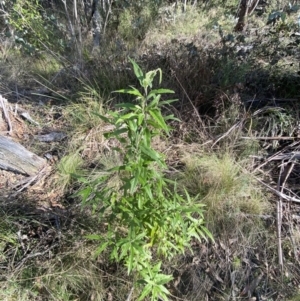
[[15, 157], [51, 137]]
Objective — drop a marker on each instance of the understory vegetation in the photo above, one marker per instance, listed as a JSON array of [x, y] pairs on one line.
[[173, 174]]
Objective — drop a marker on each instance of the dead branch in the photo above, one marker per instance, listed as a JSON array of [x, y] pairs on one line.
[[16, 158]]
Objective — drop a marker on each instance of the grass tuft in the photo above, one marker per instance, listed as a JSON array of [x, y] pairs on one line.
[[224, 187], [68, 166]]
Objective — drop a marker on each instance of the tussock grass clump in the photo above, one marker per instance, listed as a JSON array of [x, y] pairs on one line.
[[224, 187], [84, 121], [88, 151], [104, 162], [68, 166], [82, 115]]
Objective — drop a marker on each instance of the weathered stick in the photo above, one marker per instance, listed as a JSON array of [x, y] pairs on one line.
[[270, 138], [280, 194], [15, 157]]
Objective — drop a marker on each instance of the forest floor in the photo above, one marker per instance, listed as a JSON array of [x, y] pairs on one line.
[[236, 148]]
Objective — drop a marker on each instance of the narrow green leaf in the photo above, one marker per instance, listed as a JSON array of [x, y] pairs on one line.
[[147, 137], [114, 253], [194, 234], [171, 117], [172, 182], [159, 119], [116, 133], [129, 264], [137, 70], [85, 193], [146, 291], [80, 178], [126, 105], [166, 102], [148, 191], [160, 91], [140, 202], [124, 249], [102, 117], [101, 248], [163, 296], [148, 79], [140, 119], [160, 75], [133, 184], [207, 233], [126, 117], [132, 91], [201, 233], [150, 153], [117, 168], [94, 236], [162, 279], [132, 125], [154, 102]]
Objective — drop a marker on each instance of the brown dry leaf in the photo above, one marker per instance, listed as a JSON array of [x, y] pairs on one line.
[[223, 246]]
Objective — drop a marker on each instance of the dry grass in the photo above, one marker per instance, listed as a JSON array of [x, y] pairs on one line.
[[222, 184]]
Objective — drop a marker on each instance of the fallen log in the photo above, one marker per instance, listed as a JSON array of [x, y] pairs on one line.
[[16, 158]]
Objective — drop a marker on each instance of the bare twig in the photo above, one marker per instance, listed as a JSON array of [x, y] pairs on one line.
[[71, 28], [281, 194], [130, 294], [269, 138], [109, 11], [228, 132], [275, 156], [27, 182], [288, 172], [287, 156], [279, 219]]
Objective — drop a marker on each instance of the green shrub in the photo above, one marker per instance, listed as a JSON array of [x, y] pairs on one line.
[[34, 28], [145, 219]]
